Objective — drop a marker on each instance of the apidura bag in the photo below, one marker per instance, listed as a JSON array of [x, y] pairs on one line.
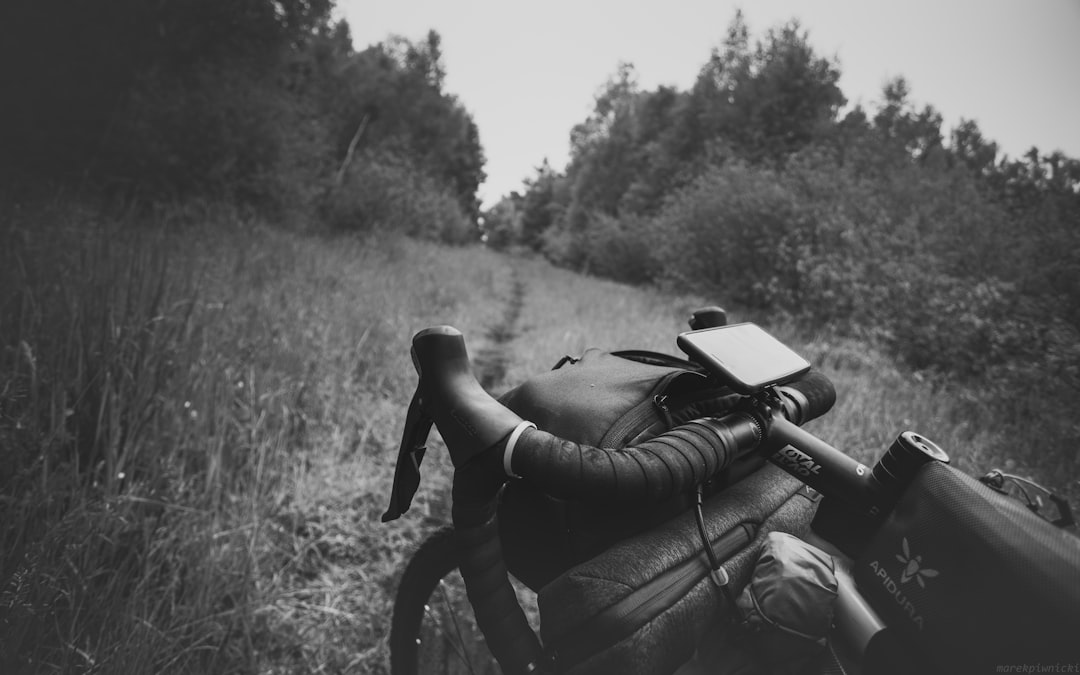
[[972, 579]]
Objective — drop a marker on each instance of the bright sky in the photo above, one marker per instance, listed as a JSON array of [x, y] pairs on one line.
[[528, 71]]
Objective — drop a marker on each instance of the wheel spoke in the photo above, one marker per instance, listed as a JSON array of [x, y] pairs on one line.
[[460, 647], [433, 629]]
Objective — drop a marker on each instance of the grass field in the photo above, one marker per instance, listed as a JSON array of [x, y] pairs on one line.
[[199, 421]]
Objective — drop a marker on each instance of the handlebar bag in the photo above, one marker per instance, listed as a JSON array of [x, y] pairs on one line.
[[611, 400], [643, 605], [973, 579]]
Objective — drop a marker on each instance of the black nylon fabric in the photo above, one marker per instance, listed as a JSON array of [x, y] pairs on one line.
[[603, 399], [582, 400], [587, 638], [973, 578]]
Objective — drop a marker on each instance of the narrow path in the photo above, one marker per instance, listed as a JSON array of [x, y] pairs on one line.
[[492, 359]]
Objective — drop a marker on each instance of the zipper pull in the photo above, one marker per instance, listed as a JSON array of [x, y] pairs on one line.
[[660, 401]]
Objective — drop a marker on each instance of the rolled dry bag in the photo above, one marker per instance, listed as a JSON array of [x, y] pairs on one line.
[[972, 579], [642, 605], [787, 608]]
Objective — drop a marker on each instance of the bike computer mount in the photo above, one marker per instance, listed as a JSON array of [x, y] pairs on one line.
[[743, 356]]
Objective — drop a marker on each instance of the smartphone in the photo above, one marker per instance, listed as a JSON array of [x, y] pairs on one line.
[[743, 356]]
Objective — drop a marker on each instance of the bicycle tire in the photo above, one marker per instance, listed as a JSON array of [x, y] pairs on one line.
[[433, 629]]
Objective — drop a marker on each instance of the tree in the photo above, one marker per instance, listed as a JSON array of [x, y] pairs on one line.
[[793, 95], [918, 133], [396, 86], [612, 101], [972, 150], [539, 209], [770, 101], [502, 224], [174, 96]]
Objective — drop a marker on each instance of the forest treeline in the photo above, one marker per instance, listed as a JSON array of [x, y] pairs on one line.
[[757, 186], [752, 187], [262, 103]]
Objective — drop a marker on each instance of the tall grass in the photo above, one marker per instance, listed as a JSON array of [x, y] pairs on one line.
[[175, 405], [138, 456], [199, 417], [87, 353]]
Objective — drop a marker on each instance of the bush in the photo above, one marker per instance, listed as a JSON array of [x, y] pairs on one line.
[[622, 249], [385, 192], [722, 233], [899, 258], [954, 325], [220, 133]]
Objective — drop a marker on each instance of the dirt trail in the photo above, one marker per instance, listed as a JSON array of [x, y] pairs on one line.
[[492, 359]]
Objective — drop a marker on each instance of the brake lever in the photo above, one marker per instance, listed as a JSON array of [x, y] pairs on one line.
[[448, 396], [410, 455]]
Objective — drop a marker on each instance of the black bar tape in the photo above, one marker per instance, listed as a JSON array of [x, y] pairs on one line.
[[670, 464], [807, 398], [495, 604], [476, 487]]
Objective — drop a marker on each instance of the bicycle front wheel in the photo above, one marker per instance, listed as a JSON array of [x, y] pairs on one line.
[[433, 629]]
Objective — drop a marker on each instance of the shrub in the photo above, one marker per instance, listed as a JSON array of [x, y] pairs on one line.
[[222, 133], [898, 257], [954, 325], [386, 192], [623, 249], [722, 233]]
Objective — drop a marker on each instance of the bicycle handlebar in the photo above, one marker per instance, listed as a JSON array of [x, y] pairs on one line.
[[476, 428], [652, 471], [666, 465]]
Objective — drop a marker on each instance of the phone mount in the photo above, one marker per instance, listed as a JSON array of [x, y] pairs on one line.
[[743, 357]]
